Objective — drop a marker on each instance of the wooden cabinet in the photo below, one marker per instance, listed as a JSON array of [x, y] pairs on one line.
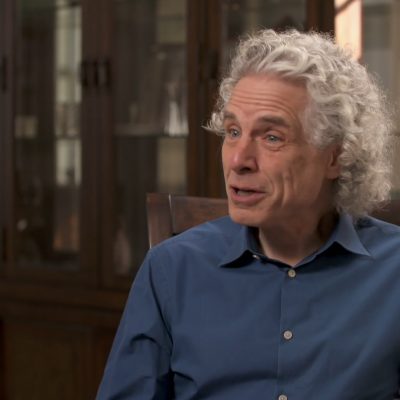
[[101, 101]]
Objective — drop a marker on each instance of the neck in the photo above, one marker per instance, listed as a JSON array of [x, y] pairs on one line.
[[292, 242]]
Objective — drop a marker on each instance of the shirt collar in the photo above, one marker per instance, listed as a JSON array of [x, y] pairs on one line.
[[244, 243], [240, 247], [346, 235]]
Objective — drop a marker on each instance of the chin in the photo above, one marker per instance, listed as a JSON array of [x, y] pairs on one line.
[[244, 216]]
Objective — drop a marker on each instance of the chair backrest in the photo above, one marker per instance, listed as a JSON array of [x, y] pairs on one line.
[[390, 212], [168, 215]]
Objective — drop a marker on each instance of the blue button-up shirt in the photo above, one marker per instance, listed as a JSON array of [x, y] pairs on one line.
[[210, 317]]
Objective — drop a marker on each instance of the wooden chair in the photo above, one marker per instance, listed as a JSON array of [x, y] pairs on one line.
[[390, 212], [168, 215]]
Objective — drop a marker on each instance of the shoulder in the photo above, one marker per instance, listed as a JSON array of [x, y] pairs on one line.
[[212, 237], [193, 256], [374, 225], [200, 249], [378, 235]]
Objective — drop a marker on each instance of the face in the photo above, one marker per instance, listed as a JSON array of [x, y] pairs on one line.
[[272, 173]]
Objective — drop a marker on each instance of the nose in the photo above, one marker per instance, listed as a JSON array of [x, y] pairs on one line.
[[244, 155]]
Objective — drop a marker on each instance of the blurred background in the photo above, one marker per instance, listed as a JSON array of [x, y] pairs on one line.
[[102, 101]]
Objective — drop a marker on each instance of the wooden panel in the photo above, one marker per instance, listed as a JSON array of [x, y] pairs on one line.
[[6, 118], [62, 296], [45, 362], [102, 346], [68, 346], [205, 177], [321, 15], [2, 366]]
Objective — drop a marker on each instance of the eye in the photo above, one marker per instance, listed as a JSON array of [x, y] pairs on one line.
[[232, 133], [273, 138]]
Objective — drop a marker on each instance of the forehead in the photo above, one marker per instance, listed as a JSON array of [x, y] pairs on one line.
[[268, 94]]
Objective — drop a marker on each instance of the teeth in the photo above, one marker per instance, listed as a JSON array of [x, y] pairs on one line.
[[244, 192]]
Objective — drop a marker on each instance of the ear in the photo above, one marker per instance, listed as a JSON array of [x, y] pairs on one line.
[[333, 167]]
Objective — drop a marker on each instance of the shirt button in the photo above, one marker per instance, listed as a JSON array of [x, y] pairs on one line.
[[288, 335], [282, 397], [291, 273]]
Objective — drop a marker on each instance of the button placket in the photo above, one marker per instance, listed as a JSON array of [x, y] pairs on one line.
[[288, 321]]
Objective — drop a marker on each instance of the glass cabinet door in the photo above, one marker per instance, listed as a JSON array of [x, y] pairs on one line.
[[149, 121], [47, 137], [381, 54], [226, 21], [241, 16], [371, 29]]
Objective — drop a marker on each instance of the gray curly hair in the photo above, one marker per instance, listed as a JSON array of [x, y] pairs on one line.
[[346, 107]]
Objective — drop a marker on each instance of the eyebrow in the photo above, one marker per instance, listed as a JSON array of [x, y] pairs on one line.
[[271, 119]]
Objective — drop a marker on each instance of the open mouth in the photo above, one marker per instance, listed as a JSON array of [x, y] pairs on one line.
[[245, 196], [244, 192]]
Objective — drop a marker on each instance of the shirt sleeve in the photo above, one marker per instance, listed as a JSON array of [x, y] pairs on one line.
[[138, 366]]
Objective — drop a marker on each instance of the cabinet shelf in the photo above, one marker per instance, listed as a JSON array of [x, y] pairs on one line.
[[144, 130], [35, 139]]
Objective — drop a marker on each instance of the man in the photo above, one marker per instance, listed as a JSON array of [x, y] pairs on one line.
[[296, 295]]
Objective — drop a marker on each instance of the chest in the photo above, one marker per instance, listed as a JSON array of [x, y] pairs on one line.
[[340, 330]]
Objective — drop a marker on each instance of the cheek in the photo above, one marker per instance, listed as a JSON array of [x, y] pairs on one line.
[[308, 174], [281, 172], [225, 158], [300, 163], [295, 175]]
